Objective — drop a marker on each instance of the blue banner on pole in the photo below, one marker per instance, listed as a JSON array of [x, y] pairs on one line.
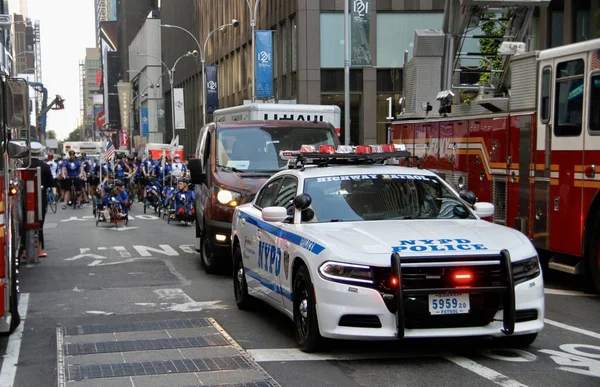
[[212, 89], [97, 109], [145, 122], [264, 64]]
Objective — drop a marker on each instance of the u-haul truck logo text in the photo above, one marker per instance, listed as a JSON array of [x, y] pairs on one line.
[[294, 117]]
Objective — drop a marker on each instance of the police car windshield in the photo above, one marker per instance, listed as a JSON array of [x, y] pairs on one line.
[[350, 198], [257, 149]]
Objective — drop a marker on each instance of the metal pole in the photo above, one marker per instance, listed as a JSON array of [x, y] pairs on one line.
[[203, 61], [253, 25], [346, 74], [172, 104]]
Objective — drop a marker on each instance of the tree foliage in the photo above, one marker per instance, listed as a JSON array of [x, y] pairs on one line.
[[490, 46], [75, 135], [51, 135]]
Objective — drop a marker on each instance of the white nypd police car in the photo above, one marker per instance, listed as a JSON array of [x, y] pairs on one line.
[[368, 251]]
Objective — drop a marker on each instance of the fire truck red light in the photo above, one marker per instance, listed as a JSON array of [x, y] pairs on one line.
[[394, 281]]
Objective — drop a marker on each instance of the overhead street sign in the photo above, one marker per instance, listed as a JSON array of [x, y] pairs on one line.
[[5, 20]]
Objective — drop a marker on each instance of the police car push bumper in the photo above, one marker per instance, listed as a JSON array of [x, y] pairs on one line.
[[358, 312]]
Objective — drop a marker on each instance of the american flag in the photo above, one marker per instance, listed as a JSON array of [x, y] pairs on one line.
[[110, 151]]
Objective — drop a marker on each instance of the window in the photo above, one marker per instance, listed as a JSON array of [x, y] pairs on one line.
[[396, 32], [568, 105], [257, 149], [556, 31], [581, 20], [350, 198], [594, 124], [286, 195], [284, 48], [545, 95], [294, 45], [267, 195], [332, 40]]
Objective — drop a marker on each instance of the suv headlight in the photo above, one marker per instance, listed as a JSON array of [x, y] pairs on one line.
[[227, 197], [526, 270], [346, 273]]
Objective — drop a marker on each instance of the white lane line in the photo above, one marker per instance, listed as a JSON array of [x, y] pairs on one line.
[[11, 357], [484, 372], [122, 251], [294, 354], [561, 292], [572, 328]]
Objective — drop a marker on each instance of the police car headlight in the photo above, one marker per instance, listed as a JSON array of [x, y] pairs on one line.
[[227, 197], [526, 269], [346, 272]]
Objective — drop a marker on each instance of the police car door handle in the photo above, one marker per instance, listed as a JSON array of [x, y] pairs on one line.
[[243, 221], [258, 234]]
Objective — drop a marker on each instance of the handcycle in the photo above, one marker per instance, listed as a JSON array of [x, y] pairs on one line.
[[111, 213], [184, 212]]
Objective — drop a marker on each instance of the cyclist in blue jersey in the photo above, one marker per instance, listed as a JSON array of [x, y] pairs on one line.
[[73, 170]]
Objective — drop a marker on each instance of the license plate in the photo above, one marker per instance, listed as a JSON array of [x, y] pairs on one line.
[[449, 303]]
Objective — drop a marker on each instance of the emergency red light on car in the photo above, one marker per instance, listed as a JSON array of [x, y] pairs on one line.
[[394, 281], [327, 149], [463, 276], [363, 150]]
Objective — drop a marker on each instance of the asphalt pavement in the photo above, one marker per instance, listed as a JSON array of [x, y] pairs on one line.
[[133, 307]]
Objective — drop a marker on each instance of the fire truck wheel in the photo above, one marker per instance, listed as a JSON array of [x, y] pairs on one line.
[[593, 258], [14, 296]]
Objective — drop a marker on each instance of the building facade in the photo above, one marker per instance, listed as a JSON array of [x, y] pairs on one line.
[[101, 9], [309, 57], [92, 65], [24, 45]]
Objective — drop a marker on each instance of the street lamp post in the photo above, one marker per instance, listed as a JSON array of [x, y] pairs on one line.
[[171, 73], [253, 15], [234, 23]]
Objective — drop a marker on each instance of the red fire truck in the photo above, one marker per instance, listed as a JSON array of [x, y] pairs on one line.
[[533, 150]]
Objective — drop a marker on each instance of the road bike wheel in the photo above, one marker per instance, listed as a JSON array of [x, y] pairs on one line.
[[53, 205]]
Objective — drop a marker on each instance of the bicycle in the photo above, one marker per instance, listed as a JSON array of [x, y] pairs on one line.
[[52, 201]]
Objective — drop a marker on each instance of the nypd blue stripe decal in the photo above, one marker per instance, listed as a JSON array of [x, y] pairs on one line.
[[269, 285], [296, 239]]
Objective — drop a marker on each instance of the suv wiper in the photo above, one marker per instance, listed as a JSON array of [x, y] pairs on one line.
[[233, 169]]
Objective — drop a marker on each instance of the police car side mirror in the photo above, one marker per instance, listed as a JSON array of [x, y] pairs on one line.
[[483, 209], [196, 174], [274, 214], [302, 201], [18, 149]]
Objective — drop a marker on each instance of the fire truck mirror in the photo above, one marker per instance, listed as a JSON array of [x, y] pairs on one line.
[[18, 108], [18, 149]]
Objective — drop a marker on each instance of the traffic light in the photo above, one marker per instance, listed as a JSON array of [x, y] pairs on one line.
[[60, 102]]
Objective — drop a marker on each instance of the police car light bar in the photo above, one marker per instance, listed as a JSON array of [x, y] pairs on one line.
[[344, 154]]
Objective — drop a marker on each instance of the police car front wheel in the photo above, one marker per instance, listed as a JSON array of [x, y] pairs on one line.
[[306, 325]]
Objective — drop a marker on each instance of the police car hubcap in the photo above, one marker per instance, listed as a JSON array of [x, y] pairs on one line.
[[303, 308], [240, 277]]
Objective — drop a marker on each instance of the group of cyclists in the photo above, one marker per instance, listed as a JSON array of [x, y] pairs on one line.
[[82, 179]]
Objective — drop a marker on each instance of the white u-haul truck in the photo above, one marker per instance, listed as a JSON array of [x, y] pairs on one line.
[[281, 111]]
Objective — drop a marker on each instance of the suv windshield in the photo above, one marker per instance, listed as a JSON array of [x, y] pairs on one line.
[[350, 198], [257, 149]]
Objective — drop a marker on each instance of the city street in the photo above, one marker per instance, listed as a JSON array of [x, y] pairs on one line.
[[133, 307]]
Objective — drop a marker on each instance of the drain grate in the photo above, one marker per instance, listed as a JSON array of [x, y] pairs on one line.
[[96, 371], [136, 326], [212, 340]]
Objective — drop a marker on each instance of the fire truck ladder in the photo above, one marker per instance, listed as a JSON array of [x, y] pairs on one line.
[[463, 23]]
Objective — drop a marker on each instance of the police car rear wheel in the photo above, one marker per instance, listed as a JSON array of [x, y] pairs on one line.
[[305, 315], [242, 299], [518, 341]]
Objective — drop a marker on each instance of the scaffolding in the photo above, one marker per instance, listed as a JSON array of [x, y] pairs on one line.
[[37, 59]]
